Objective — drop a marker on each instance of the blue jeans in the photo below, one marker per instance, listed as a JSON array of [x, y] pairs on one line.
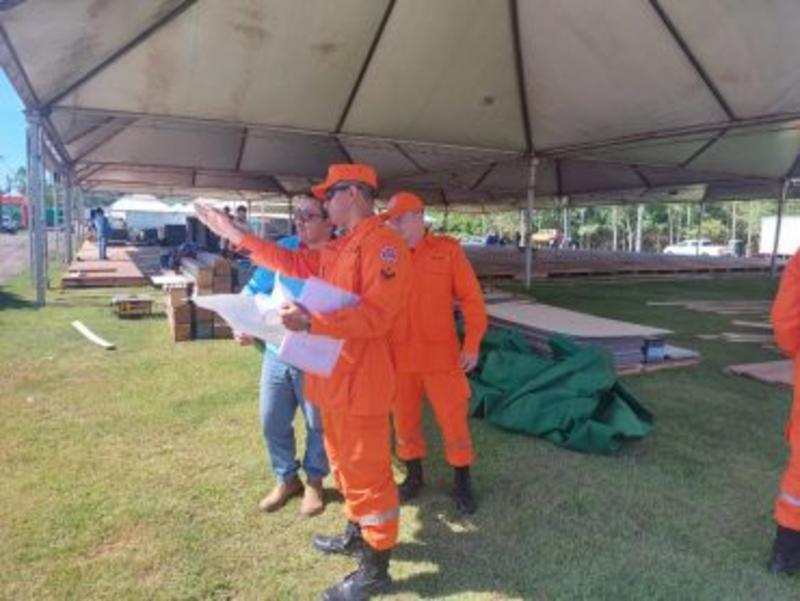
[[101, 248], [280, 395]]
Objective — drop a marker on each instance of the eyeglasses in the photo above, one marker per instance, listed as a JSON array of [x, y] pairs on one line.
[[304, 216]]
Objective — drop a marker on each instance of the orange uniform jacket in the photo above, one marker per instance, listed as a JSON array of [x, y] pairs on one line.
[[424, 338], [786, 314], [371, 261]]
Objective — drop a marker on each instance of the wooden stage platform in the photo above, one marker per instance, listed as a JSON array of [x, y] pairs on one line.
[[126, 266], [508, 262]]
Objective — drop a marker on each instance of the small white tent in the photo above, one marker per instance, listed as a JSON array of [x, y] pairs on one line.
[[142, 211]]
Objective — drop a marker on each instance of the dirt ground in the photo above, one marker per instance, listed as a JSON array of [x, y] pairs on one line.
[[13, 254]]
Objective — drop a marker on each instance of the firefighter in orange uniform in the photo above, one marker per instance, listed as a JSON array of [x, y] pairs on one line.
[[786, 323], [428, 355], [371, 261]]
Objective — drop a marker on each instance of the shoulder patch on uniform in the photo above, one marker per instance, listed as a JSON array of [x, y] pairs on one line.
[[389, 254]]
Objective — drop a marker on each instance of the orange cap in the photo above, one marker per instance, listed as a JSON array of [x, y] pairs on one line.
[[404, 202], [356, 173]]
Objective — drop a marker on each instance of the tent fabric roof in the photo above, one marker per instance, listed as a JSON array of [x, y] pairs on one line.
[[619, 99]]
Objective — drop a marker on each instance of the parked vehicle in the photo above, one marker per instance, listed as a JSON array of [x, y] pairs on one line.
[[691, 248], [8, 225], [789, 239], [472, 241]]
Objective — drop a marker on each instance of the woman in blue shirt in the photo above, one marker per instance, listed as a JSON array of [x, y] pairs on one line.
[[281, 391]]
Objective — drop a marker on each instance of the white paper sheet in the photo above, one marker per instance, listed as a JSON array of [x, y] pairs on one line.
[[313, 354], [322, 297], [257, 316], [254, 315]]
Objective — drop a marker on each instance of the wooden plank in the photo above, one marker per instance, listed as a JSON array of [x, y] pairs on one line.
[[92, 337], [760, 325], [554, 319], [169, 279], [771, 372]]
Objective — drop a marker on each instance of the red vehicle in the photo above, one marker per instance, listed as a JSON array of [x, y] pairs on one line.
[[21, 203]]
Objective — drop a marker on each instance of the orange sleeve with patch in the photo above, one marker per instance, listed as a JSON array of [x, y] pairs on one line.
[[467, 291], [301, 263], [385, 276], [786, 309]]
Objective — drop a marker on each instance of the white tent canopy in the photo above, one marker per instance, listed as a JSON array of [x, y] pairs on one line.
[[619, 99]]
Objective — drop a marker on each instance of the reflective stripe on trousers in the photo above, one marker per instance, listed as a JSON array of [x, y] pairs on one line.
[[791, 499], [376, 519]]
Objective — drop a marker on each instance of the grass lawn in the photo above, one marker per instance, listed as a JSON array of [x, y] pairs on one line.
[[135, 474]]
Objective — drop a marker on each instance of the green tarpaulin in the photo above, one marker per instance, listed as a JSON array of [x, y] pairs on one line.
[[572, 399]]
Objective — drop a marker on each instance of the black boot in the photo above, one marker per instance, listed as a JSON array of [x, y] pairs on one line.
[[785, 552], [349, 543], [371, 578], [411, 486], [462, 491]]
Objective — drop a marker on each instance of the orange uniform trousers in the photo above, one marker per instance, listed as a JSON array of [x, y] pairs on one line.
[[359, 451], [448, 394], [787, 505]]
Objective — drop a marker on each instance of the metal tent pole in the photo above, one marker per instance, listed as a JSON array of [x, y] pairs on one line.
[[528, 221], [700, 229], [36, 198], [639, 219], [773, 262], [69, 198]]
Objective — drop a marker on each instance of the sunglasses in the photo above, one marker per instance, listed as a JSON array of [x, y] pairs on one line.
[[334, 190]]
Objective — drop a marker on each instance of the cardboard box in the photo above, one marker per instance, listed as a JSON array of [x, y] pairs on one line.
[[203, 331]]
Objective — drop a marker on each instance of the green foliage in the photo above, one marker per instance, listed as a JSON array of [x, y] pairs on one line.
[[663, 224]]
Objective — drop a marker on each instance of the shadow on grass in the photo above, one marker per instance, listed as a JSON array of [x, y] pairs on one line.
[[10, 300], [459, 554], [467, 555]]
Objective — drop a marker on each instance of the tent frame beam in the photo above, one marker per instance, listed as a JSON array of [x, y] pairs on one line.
[[47, 105], [664, 135], [528, 221], [88, 131], [99, 144], [407, 156], [696, 154], [365, 66], [240, 153], [482, 177], [519, 66], [343, 149], [693, 60]]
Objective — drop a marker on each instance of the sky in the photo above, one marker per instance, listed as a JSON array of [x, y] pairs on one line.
[[12, 129]]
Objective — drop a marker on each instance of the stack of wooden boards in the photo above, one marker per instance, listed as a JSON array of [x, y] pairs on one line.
[[207, 273], [634, 347]]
